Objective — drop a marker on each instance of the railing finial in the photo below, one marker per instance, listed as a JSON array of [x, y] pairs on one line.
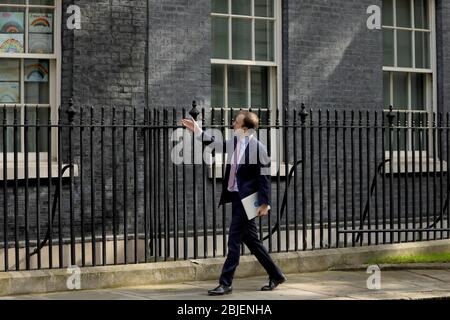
[[71, 112], [194, 111], [303, 113], [391, 115]]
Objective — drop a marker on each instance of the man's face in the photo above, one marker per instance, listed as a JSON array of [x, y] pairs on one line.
[[238, 125]]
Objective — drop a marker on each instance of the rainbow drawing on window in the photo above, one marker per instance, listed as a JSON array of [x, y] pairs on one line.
[[11, 43], [36, 71], [40, 22], [40, 43], [11, 22], [9, 92]]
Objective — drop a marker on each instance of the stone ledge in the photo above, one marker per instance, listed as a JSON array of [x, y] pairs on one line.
[[103, 277]]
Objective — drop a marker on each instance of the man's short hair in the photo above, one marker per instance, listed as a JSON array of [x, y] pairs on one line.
[[251, 120]]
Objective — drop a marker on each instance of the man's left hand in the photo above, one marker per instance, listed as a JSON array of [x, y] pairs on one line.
[[263, 210]]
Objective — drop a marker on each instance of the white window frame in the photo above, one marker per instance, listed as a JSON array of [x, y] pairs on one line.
[[275, 67], [54, 94], [431, 80]]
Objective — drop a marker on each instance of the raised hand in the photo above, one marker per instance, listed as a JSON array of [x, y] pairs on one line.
[[192, 125]]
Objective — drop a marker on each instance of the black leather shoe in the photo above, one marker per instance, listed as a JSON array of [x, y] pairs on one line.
[[273, 284], [220, 290]]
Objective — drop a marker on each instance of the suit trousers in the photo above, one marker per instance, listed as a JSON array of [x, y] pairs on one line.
[[244, 231]]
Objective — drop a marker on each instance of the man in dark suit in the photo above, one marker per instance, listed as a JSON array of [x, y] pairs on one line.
[[247, 172]]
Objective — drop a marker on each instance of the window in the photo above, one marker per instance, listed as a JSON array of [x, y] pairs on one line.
[[409, 77], [245, 55], [29, 61]]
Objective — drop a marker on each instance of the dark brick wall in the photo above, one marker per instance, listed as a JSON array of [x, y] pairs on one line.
[[334, 60], [180, 53], [108, 54]]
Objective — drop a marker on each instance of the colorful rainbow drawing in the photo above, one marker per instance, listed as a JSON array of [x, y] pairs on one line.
[[9, 44], [11, 22], [11, 27], [40, 22], [36, 72]]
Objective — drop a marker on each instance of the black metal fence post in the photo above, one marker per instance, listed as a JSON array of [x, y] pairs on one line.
[[303, 116], [194, 113], [71, 116]]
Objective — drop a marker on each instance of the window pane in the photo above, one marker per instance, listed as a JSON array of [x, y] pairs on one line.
[[13, 1], [404, 13], [237, 87], [43, 116], [217, 84], [10, 81], [10, 70], [400, 90], [388, 10], [404, 49], [9, 130], [421, 14], [264, 8], [260, 87], [242, 39], [388, 48], [418, 91], [220, 38], [386, 90], [9, 92], [264, 40], [11, 20], [42, 2], [37, 93], [242, 7], [220, 6], [12, 30], [40, 31], [37, 81], [422, 50]]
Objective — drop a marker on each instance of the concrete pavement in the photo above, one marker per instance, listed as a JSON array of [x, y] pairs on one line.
[[339, 285]]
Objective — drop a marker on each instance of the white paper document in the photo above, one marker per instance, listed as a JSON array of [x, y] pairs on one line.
[[251, 205]]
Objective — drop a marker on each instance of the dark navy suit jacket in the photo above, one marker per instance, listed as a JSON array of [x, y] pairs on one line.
[[253, 174]]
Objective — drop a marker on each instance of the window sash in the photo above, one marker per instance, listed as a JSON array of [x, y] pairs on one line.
[[54, 83], [55, 33], [413, 31], [231, 18], [274, 66], [250, 73], [429, 74]]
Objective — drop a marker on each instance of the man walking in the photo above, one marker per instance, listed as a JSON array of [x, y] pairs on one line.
[[247, 172]]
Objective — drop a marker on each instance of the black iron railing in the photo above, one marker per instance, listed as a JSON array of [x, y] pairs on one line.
[[113, 185]]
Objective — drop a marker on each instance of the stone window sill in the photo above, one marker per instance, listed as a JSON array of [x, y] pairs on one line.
[[427, 164]]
